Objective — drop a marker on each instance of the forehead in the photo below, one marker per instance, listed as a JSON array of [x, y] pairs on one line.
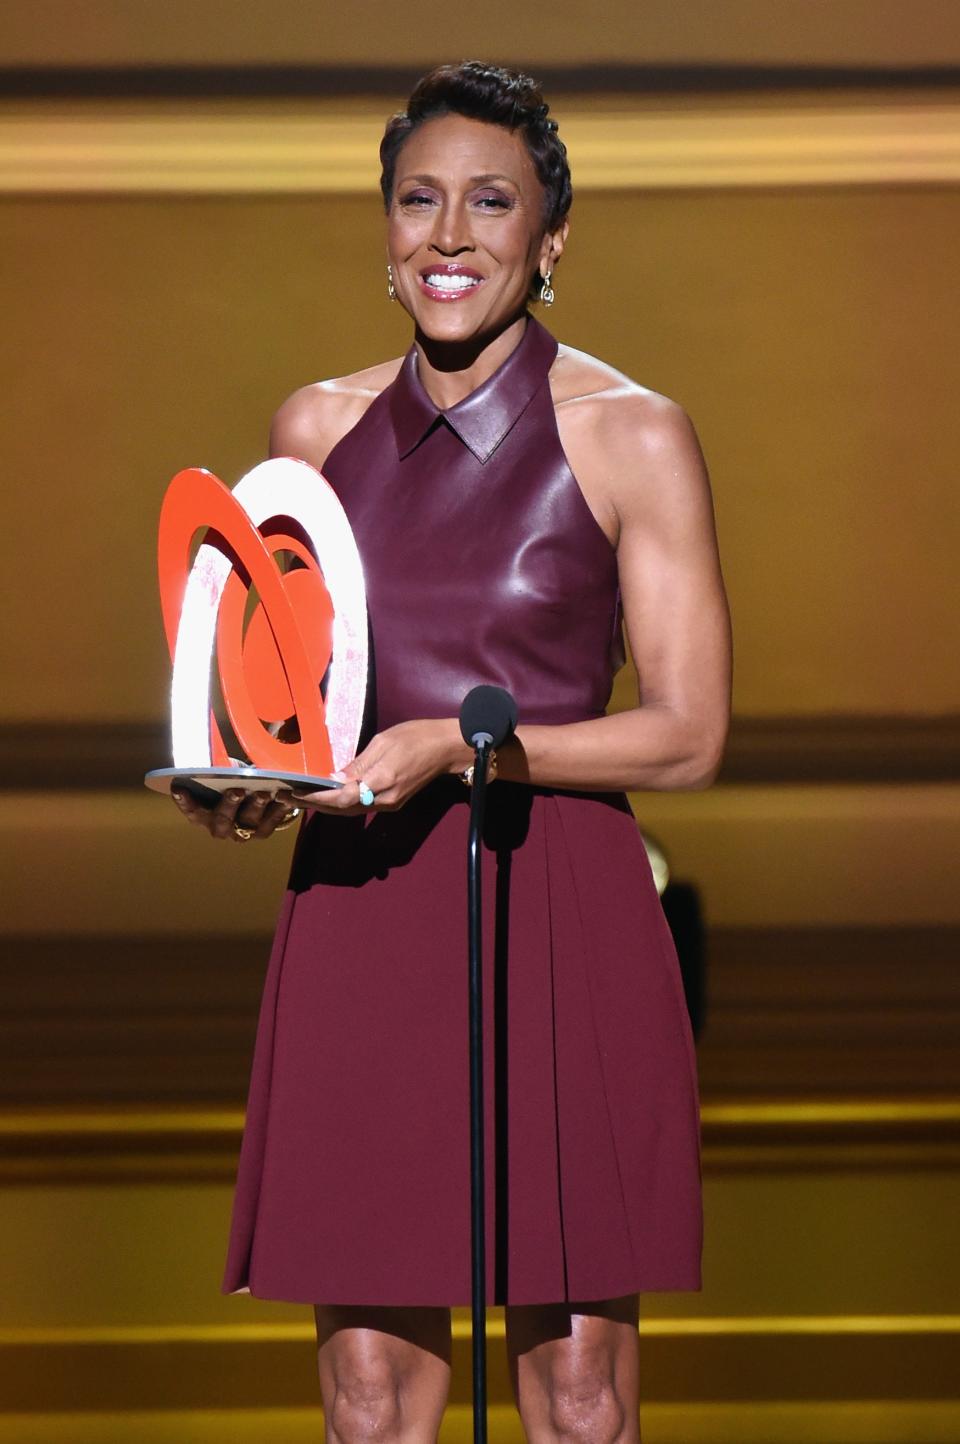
[[456, 148]]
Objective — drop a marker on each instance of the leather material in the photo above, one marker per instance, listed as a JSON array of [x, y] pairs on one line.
[[520, 590]]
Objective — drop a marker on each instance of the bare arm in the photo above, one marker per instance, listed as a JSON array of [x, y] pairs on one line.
[[649, 486]]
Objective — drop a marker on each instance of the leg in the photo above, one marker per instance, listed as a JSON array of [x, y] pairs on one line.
[[575, 1371], [384, 1373]]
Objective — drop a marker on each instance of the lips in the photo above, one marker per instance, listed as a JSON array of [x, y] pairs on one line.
[[447, 283]]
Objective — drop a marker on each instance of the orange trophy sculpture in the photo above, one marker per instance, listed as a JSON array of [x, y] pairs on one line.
[[273, 606]]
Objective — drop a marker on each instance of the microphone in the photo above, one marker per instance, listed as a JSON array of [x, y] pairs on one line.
[[488, 715], [487, 718]]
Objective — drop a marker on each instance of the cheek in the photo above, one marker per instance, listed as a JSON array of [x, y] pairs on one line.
[[521, 248], [404, 234]]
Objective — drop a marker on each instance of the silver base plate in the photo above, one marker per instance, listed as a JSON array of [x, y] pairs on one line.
[[205, 782]]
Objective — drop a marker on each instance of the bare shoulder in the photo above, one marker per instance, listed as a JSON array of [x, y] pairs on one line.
[[627, 445], [310, 422], [589, 393]]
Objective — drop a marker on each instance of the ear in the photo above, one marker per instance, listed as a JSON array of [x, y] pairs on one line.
[[551, 248]]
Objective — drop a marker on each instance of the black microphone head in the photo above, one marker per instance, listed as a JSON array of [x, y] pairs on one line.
[[487, 710]]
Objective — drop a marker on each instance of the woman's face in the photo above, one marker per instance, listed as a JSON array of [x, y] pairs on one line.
[[465, 230]]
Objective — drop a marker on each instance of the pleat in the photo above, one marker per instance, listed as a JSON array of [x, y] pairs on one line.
[[526, 1204], [596, 1230], [630, 977]]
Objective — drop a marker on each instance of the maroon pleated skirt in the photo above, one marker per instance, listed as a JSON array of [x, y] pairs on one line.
[[354, 1175]]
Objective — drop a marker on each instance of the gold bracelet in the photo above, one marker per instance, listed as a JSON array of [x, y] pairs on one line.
[[466, 777]]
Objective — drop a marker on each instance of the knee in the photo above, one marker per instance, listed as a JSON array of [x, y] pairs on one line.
[[366, 1404], [584, 1405]]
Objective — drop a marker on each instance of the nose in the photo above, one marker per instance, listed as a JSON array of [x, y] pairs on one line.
[[451, 233]]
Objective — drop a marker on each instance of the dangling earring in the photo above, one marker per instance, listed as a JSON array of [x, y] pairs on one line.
[[391, 290], [547, 295]]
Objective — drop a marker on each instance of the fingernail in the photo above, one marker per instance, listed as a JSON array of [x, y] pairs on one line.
[[339, 776]]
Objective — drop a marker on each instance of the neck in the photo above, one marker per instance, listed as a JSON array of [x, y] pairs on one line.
[[449, 371]]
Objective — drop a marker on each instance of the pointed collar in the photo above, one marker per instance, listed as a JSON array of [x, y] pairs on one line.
[[482, 419]]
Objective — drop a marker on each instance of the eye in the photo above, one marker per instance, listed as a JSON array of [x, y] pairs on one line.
[[417, 200], [493, 201]]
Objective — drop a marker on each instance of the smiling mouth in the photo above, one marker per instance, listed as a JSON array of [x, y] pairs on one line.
[[449, 283]]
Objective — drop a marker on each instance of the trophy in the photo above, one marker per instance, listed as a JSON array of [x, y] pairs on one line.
[[271, 609]]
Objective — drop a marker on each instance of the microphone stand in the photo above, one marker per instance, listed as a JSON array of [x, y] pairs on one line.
[[478, 793]]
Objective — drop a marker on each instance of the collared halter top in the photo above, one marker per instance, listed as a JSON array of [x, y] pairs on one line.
[[482, 559]]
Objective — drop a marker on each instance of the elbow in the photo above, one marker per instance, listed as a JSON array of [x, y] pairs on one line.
[[699, 776], [700, 764], [703, 767]]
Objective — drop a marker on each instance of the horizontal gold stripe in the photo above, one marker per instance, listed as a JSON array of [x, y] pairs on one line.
[[831, 1113], [825, 1325], [121, 1124], [725, 1117], [175, 149]]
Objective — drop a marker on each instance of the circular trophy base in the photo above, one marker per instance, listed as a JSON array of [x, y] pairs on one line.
[[205, 783]]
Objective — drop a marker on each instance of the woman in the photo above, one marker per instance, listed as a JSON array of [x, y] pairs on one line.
[[512, 501]]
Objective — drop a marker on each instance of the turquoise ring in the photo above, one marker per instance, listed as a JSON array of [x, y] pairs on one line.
[[366, 796]]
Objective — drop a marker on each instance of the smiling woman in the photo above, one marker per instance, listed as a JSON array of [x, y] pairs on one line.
[[468, 234], [515, 502]]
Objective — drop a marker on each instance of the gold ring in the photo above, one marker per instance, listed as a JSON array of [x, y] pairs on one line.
[[289, 820], [244, 833]]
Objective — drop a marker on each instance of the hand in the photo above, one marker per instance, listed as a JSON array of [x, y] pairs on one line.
[[395, 765], [254, 810]]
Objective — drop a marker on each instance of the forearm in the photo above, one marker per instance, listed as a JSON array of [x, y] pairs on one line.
[[646, 748]]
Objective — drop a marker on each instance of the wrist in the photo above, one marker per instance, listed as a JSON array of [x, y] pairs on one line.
[[457, 755]]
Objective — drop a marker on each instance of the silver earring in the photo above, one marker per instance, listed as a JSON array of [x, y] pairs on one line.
[[391, 289], [547, 295]]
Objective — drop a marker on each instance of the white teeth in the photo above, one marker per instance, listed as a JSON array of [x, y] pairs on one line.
[[443, 282]]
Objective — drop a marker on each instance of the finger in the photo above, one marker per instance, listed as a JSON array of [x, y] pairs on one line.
[[224, 814], [331, 799], [183, 804], [366, 760], [276, 813], [192, 809], [251, 810], [380, 778]]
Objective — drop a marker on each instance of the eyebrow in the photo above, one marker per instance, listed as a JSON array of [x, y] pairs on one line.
[[475, 180]]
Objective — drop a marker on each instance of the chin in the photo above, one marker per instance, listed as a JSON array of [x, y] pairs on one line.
[[453, 325], [440, 325]]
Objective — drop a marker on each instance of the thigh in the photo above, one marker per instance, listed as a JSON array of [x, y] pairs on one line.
[[575, 1368], [391, 1365]]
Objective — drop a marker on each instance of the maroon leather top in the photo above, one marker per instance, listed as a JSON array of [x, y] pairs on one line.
[[482, 560]]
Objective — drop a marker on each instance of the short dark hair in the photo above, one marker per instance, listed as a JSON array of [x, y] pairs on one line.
[[499, 96]]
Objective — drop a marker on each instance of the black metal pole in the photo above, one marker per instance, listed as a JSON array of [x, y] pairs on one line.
[[478, 1251]]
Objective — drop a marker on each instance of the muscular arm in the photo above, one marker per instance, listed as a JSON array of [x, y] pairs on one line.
[[644, 475]]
